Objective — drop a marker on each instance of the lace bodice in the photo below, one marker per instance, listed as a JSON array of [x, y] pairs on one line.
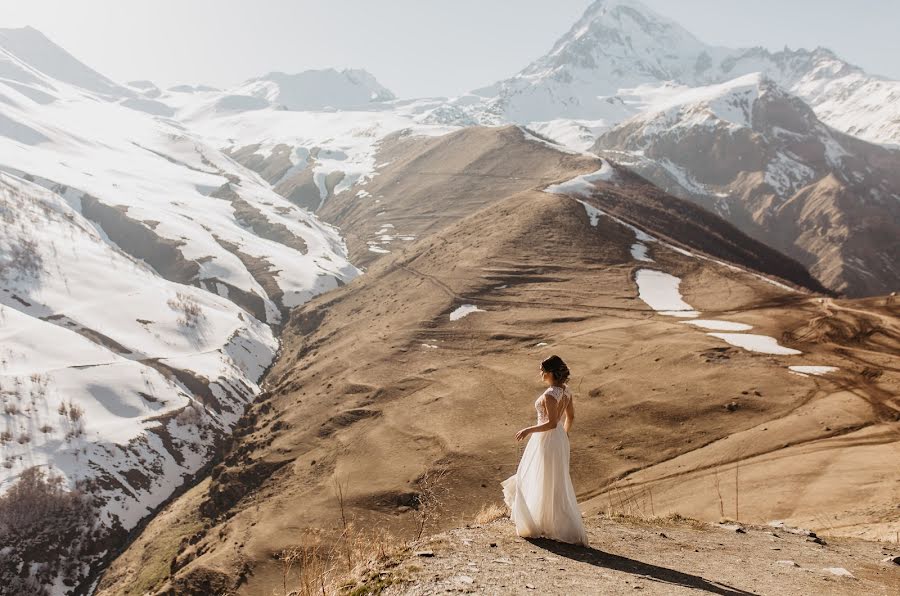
[[559, 394]]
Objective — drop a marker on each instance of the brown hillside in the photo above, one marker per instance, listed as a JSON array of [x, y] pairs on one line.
[[378, 391]]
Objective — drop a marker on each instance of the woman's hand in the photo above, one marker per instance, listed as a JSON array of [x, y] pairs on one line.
[[523, 433]]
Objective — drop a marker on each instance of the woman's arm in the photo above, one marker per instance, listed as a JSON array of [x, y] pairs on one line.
[[570, 416], [551, 406]]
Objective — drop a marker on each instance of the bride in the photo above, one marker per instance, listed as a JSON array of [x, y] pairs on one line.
[[540, 496]]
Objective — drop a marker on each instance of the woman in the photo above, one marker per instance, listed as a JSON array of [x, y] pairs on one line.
[[540, 496]]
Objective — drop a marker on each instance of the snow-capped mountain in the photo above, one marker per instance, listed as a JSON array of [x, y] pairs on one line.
[[612, 62], [22, 50], [616, 45], [759, 157], [142, 275], [317, 89], [843, 95], [306, 155], [311, 90]]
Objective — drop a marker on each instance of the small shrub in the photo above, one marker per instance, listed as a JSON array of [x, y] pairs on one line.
[[75, 412], [5, 436], [10, 409], [24, 438], [190, 309], [46, 429], [22, 260]]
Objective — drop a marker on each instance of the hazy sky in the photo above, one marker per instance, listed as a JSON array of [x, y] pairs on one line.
[[414, 47]]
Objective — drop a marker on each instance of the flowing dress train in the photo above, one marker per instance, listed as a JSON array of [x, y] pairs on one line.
[[540, 495]]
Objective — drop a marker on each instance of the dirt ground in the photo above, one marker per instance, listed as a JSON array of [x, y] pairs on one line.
[[661, 556]]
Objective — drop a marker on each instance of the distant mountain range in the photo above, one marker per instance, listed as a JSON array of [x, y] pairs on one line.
[[759, 157], [612, 62]]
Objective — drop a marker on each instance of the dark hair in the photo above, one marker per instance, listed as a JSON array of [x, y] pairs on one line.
[[556, 367]]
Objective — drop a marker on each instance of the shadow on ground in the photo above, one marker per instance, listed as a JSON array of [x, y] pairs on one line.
[[598, 558]]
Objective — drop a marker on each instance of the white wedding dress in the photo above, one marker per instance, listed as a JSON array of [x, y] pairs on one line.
[[540, 496]]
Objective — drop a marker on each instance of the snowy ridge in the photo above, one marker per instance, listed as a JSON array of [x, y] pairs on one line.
[[621, 57], [617, 44], [142, 271], [166, 179], [778, 172], [317, 89], [728, 110], [843, 95], [28, 50], [86, 388], [92, 393], [336, 149]]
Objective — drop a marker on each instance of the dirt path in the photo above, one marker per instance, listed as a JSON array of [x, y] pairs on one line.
[[648, 557]]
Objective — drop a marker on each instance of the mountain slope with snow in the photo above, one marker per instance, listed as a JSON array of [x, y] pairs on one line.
[[309, 156], [317, 89], [143, 274], [35, 52], [620, 55], [616, 45], [760, 158], [843, 95], [101, 362]]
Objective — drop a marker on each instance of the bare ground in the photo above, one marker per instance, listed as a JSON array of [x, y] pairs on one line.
[[653, 556]]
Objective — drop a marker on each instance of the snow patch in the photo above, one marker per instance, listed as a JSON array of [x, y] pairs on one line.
[[813, 370], [639, 252], [720, 325], [756, 343], [660, 291], [583, 185], [464, 311]]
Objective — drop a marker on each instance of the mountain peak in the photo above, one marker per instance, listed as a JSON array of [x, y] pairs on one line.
[[38, 51], [319, 89], [639, 41], [617, 8], [615, 45]]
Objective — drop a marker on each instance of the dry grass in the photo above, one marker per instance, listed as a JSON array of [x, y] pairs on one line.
[[628, 501], [636, 507], [303, 570], [354, 562], [670, 520], [490, 513]]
